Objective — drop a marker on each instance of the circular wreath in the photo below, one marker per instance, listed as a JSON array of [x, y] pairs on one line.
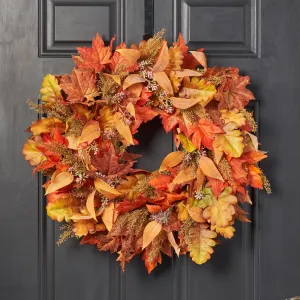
[[91, 118]]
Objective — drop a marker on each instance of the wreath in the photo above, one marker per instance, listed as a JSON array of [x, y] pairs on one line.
[[90, 119]]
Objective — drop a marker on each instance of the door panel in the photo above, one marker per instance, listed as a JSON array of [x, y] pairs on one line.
[[258, 36]]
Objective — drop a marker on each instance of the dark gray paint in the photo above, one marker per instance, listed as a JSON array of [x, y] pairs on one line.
[[262, 261]]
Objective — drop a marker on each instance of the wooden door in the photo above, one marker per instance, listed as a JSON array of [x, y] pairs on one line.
[[261, 37]]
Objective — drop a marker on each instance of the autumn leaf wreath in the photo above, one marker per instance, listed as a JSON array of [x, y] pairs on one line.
[[91, 117]]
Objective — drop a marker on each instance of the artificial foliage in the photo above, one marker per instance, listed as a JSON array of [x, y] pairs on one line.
[[90, 119]]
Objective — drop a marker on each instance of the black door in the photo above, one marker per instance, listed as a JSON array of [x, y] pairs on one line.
[[261, 37]]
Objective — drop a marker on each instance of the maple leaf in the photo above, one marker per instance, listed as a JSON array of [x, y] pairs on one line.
[[32, 153], [96, 57], [80, 86], [169, 121], [51, 91], [160, 182], [238, 170], [253, 157], [107, 163], [206, 131], [233, 93], [142, 115], [231, 143], [217, 186], [62, 206], [200, 243], [46, 125]]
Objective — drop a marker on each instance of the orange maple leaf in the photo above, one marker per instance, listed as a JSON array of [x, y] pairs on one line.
[[204, 133], [80, 86], [96, 57], [233, 93]]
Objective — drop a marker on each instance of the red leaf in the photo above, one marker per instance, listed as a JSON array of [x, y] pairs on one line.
[[161, 182], [169, 122], [126, 205], [143, 115], [217, 186], [107, 163], [233, 93], [46, 164]]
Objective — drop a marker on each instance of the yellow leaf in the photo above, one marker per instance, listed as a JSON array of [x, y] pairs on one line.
[[90, 204], [221, 212], [131, 55], [105, 189], [50, 89], [187, 73], [171, 160], [136, 89], [198, 89], [233, 116], [32, 153], [200, 243], [150, 232], [63, 208], [72, 142], [163, 80], [84, 227], [123, 128], [116, 78], [173, 242], [183, 103], [185, 175], [90, 132], [163, 59], [209, 169], [231, 143], [200, 178], [106, 118], [130, 109], [227, 232], [186, 143], [196, 213], [132, 79], [108, 215], [200, 56], [46, 125], [218, 155], [182, 212], [59, 181]]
